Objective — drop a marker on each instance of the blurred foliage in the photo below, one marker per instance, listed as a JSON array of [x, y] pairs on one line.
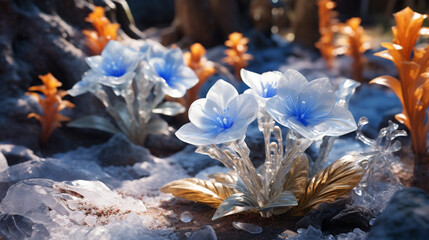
[[51, 103]]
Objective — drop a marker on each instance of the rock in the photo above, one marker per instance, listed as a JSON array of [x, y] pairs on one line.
[[119, 151], [338, 217], [193, 162], [17, 128], [405, 217], [37, 40], [164, 145], [150, 13], [348, 219], [15, 154]]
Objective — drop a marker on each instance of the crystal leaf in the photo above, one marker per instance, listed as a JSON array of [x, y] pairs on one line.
[[194, 189], [331, 183], [169, 109], [157, 126], [233, 204], [285, 199], [94, 122], [228, 178]]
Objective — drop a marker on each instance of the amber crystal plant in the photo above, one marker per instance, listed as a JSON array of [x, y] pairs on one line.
[[412, 87], [356, 45], [51, 102], [104, 31], [196, 60], [327, 30], [284, 183], [412, 63], [236, 55]]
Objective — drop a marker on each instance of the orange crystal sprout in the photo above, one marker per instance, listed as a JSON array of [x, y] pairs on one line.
[[51, 102], [202, 67], [412, 64], [104, 31], [356, 45], [327, 24], [236, 55]]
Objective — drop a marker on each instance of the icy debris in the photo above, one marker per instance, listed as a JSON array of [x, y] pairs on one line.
[[248, 227], [371, 222], [161, 171], [357, 234], [186, 217], [19, 227], [309, 233], [188, 234], [73, 204], [132, 228], [207, 233], [55, 169]]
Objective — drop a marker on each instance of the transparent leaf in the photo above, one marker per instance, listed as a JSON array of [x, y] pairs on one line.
[[94, 122], [285, 199], [169, 109], [157, 126], [233, 204], [194, 189], [229, 177]]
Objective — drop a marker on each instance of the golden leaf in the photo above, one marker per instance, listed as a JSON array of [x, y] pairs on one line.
[[202, 191], [330, 184], [297, 177], [295, 181]]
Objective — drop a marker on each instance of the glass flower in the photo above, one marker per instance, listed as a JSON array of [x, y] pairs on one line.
[[309, 108], [263, 86], [89, 83], [168, 66], [116, 64], [221, 117]]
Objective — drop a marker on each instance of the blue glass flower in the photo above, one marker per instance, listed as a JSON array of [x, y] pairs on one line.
[[309, 108], [89, 83], [263, 86], [116, 65], [168, 66], [222, 116]]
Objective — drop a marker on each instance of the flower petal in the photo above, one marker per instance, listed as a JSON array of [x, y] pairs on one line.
[[201, 114], [222, 93], [189, 133], [246, 109], [95, 63], [253, 80], [340, 122]]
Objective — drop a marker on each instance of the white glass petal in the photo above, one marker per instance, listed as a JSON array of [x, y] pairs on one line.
[[222, 93], [253, 80], [189, 133]]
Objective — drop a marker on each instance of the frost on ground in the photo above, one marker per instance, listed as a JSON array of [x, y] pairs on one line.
[[89, 194]]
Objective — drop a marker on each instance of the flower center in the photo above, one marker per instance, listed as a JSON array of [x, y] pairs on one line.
[[114, 67], [223, 120], [269, 89], [303, 112], [166, 73]]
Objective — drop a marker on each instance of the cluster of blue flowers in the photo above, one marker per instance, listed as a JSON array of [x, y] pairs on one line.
[[117, 65], [308, 108]]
